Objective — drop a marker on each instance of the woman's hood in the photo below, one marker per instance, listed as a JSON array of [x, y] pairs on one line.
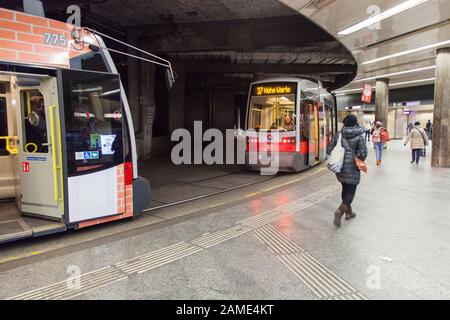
[[351, 132]]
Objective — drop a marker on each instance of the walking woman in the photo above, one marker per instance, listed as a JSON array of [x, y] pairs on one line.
[[419, 141], [354, 143], [377, 142]]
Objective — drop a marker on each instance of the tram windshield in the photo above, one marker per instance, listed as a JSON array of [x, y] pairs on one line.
[[272, 107], [93, 117]]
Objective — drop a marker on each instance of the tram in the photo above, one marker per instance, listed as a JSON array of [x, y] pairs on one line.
[[67, 148], [292, 117]]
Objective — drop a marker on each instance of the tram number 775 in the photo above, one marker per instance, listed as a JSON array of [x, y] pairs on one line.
[[55, 39]]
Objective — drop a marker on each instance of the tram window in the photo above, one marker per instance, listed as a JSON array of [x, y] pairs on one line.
[[3, 126], [2, 88], [305, 119], [34, 121], [90, 61], [126, 139], [329, 120], [273, 112], [94, 123]]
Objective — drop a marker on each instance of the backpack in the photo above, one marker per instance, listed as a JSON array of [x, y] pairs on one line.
[[384, 135], [336, 160]]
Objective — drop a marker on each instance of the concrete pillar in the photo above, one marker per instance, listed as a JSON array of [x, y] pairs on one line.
[[398, 132], [441, 130], [360, 116], [147, 71], [177, 97], [382, 101], [133, 80]]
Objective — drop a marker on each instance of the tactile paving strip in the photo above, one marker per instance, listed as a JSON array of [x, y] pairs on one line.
[[278, 243], [75, 286], [322, 281], [157, 258]]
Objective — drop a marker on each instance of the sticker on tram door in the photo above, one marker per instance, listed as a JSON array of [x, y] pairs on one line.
[[25, 167]]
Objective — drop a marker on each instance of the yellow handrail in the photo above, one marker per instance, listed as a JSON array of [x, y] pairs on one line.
[[56, 167], [11, 149], [61, 164]]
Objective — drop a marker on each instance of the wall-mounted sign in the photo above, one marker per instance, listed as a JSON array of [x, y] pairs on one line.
[[413, 103], [367, 93], [407, 104]]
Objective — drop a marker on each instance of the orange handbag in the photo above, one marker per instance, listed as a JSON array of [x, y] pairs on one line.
[[361, 165], [384, 135]]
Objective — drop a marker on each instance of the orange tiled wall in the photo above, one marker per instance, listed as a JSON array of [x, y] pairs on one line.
[[22, 40]]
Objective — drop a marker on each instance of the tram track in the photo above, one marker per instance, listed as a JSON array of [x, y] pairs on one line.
[[210, 194]]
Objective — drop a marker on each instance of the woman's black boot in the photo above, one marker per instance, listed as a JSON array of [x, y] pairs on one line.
[[339, 213], [349, 214]]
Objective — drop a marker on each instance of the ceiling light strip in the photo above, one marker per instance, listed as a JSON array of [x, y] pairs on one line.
[[384, 15], [342, 92], [399, 54], [396, 74]]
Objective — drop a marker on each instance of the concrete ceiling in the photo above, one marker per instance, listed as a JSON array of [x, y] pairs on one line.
[[144, 12], [246, 32], [423, 25]]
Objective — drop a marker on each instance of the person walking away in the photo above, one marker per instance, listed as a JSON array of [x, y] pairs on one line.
[[429, 127], [368, 127], [354, 143], [418, 141], [377, 141]]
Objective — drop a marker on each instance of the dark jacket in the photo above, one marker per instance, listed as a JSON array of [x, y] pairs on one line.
[[355, 145]]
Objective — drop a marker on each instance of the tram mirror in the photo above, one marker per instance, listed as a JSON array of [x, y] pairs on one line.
[[170, 78]]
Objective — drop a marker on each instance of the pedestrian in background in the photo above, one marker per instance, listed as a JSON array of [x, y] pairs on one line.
[[354, 143], [377, 138], [418, 141], [368, 126], [429, 127]]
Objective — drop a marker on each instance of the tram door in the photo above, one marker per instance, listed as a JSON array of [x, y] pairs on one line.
[[93, 140], [40, 162], [8, 139], [320, 131]]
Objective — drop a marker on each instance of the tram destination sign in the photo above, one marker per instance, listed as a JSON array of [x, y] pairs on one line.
[[269, 89]]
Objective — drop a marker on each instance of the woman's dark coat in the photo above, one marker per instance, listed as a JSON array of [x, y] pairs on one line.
[[354, 143]]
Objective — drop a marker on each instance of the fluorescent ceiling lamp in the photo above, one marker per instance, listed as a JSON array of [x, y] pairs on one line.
[[397, 73], [87, 90], [343, 92], [410, 82], [399, 54], [348, 91], [109, 93], [384, 15]]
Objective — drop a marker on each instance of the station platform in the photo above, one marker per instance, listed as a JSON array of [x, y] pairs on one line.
[[273, 240]]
